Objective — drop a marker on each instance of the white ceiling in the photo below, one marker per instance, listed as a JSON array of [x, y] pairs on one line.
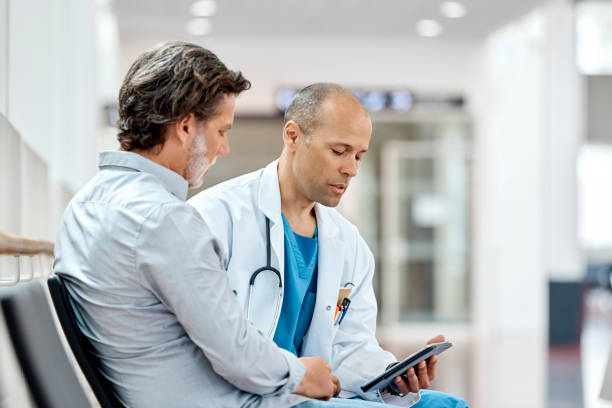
[[292, 43], [162, 20]]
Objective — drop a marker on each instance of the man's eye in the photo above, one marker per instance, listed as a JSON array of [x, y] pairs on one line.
[[338, 152]]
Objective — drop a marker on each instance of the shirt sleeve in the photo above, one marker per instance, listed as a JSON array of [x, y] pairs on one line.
[[179, 262]]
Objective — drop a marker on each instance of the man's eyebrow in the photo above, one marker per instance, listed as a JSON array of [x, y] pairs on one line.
[[348, 146]]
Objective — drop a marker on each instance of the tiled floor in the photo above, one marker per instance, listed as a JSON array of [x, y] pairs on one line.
[[575, 373], [565, 388], [595, 347]]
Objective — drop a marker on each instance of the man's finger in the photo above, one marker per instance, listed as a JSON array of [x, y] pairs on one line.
[[431, 367], [423, 375], [330, 392], [337, 385], [413, 381], [439, 338], [402, 385]]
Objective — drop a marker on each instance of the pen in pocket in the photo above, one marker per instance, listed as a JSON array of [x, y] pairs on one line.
[[343, 308]]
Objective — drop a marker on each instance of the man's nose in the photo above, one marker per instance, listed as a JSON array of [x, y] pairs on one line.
[[350, 167], [224, 147]]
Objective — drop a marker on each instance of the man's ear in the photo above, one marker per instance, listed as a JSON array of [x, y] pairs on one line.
[[184, 128], [291, 135]]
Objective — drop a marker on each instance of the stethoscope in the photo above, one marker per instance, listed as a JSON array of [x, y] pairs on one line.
[[269, 268]]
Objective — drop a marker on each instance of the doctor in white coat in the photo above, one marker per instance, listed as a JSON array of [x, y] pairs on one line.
[[326, 133]]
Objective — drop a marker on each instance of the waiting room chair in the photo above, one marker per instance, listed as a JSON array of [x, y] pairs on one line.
[[48, 372], [80, 345]]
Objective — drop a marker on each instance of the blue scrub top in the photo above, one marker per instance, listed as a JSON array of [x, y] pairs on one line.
[[300, 288]]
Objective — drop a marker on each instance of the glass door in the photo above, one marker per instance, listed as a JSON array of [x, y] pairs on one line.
[[425, 237]]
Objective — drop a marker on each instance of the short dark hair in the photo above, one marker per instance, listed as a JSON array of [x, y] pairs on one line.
[[167, 83], [305, 107]]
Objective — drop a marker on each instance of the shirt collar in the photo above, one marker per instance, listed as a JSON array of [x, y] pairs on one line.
[[172, 181]]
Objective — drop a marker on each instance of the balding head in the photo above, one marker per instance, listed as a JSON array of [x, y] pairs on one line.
[[306, 108], [327, 131]]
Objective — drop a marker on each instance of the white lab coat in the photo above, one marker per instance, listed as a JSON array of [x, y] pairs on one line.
[[235, 211]]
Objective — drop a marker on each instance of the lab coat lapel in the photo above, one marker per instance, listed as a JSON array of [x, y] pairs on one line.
[[332, 252], [330, 266], [269, 203]]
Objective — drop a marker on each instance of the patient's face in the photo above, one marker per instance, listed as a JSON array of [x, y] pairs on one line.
[[209, 141], [326, 162]]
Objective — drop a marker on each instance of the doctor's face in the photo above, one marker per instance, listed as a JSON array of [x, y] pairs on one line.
[[325, 162]]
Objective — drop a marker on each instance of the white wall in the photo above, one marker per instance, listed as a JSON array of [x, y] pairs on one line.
[[528, 116], [3, 55], [48, 94], [509, 278], [7, 189], [564, 130], [528, 128], [52, 87]]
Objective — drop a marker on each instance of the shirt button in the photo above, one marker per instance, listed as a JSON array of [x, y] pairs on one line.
[[328, 307]]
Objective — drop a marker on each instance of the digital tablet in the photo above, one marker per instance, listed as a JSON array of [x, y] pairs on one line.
[[383, 380]]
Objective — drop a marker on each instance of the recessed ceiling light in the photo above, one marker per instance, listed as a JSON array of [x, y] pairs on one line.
[[199, 26], [428, 28], [453, 9], [203, 8]]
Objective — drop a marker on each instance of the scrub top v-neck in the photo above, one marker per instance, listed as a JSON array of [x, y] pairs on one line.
[[300, 287]]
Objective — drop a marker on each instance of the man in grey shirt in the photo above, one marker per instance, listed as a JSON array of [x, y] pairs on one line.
[[143, 271]]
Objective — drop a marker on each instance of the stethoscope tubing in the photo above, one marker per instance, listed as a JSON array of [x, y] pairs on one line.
[[270, 268]]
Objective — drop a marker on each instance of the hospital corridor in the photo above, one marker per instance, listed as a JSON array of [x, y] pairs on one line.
[[239, 203]]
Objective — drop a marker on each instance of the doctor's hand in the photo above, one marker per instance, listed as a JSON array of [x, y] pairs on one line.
[[419, 377], [318, 382]]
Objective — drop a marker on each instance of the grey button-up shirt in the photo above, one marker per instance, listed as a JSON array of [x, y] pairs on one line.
[[149, 290]]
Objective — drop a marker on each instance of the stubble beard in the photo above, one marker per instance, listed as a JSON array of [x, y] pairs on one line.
[[197, 165]]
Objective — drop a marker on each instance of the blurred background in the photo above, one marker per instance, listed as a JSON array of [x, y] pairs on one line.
[[486, 195]]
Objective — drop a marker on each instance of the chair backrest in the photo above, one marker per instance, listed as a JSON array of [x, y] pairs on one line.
[[80, 345], [48, 372]]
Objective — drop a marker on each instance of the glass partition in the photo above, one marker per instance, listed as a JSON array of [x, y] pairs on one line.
[[413, 199]]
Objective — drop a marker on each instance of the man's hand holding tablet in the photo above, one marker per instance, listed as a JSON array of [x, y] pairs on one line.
[[413, 378]]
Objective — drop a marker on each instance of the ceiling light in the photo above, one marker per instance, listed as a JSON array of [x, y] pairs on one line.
[[428, 28], [199, 26], [203, 8], [453, 9]]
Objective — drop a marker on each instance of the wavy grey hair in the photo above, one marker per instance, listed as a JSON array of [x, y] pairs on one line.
[[166, 84]]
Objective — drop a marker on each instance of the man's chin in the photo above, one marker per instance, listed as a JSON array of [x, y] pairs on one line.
[[196, 184], [330, 201]]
